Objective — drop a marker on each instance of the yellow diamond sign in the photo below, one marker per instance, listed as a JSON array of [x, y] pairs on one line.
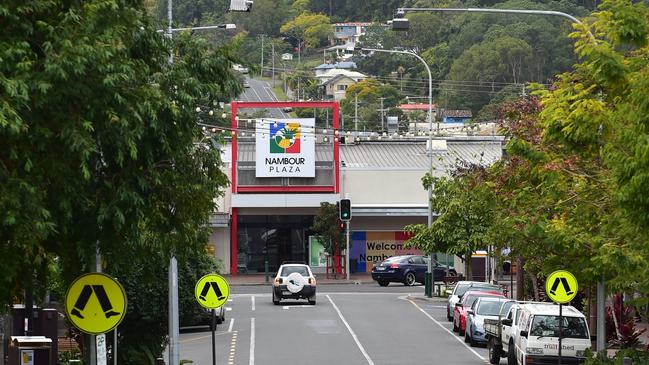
[[95, 303], [561, 286], [212, 291]]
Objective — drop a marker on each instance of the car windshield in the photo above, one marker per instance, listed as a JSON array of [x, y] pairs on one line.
[[489, 308], [548, 326], [505, 307], [469, 300], [288, 270], [463, 288]]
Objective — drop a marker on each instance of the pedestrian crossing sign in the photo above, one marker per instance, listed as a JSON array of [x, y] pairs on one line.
[[212, 291], [561, 286], [95, 303]]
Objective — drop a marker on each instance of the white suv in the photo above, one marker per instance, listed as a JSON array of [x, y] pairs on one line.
[[294, 281]]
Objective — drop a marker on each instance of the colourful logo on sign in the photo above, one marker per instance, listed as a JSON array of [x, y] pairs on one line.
[[285, 137]]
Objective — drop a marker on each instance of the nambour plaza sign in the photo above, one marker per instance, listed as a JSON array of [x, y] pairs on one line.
[[285, 147]]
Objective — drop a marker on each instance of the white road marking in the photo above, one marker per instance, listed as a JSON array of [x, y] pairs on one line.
[[358, 343], [231, 324], [233, 346], [252, 298], [227, 309], [297, 306], [252, 341], [447, 330]]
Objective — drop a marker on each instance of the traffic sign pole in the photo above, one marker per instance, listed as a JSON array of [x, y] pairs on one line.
[[560, 329], [213, 337]]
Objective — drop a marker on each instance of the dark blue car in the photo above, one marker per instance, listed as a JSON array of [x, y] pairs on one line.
[[408, 269]]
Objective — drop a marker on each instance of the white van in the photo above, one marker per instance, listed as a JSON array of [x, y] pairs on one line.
[[537, 337]]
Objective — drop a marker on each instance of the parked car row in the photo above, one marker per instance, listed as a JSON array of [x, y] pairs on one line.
[[522, 332]]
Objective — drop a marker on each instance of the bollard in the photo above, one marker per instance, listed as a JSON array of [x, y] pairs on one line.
[[266, 269], [626, 361], [159, 361]]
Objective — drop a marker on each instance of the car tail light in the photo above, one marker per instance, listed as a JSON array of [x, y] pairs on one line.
[[312, 281], [278, 281], [394, 266]]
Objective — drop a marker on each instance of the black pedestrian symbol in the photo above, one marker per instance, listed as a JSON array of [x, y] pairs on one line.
[[84, 297], [565, 284], [206, 288]]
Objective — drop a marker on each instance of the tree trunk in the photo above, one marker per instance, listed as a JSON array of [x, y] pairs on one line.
[[519, 278], [535, 286], [467, 266]]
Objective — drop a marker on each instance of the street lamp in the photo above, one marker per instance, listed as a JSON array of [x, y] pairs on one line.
[[207, 27], [401, 23], [428, 282]]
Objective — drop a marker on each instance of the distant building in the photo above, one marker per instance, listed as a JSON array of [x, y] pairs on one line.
[[456, 116], [336, 81], [348, 32], [321, 69]]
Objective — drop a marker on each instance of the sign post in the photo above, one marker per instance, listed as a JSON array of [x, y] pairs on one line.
[[561, 286], [212, 291]]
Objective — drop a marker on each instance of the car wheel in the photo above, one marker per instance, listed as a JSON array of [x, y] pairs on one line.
[[220, 319], [494, 351], [511, 355], [410, 279], [449, 317], [455, 328], [275, 299], [384, 283], [461, 332], [466, 337], [312, 300]]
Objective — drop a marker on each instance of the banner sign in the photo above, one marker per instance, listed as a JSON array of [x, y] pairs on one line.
[[369, 248], [317, 255], [285, 147]]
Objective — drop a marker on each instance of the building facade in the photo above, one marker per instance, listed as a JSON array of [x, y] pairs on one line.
[[266, 220]]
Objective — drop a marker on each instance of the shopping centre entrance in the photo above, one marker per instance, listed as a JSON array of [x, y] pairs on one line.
[[272, 238]]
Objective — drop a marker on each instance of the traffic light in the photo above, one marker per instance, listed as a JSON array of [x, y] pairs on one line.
[[345, 210]]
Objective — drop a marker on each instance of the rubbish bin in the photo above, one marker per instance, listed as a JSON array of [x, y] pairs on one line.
[[30, 350]]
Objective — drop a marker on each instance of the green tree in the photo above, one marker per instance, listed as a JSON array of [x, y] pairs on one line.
[[98, 134], [311, 29], [463, 205], [368, 93]]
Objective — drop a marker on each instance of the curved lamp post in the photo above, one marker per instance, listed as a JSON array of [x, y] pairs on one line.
[[428, 282]]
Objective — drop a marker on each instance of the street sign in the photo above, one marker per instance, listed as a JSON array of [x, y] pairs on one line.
[[561, 286], [95, 303], [212, 291]]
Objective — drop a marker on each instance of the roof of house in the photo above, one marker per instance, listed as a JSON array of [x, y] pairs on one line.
[[336, 78], [400, 155], [329, 74], [341, 65], [418, 106], [456, 113], [352, 24], [412, 155]]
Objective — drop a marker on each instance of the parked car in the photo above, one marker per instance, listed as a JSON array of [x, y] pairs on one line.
[[407, 269], [462, 287], [461, 309], [294, 281], [482, 309]]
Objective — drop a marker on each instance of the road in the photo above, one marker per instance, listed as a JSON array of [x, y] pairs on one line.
[[350, 324], [261, 91]]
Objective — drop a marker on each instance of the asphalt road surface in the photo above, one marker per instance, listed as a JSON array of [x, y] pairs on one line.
[[261, 91], [350, 324]]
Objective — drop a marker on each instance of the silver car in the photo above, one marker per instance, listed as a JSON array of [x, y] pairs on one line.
[[462, 287], [483, 308]]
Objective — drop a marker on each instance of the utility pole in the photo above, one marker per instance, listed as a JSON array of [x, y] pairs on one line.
[[356, 112], [261, 69], [273, 59], [382, 110]]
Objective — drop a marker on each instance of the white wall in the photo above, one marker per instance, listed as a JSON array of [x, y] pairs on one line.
[[388, 187], [220, 239]]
